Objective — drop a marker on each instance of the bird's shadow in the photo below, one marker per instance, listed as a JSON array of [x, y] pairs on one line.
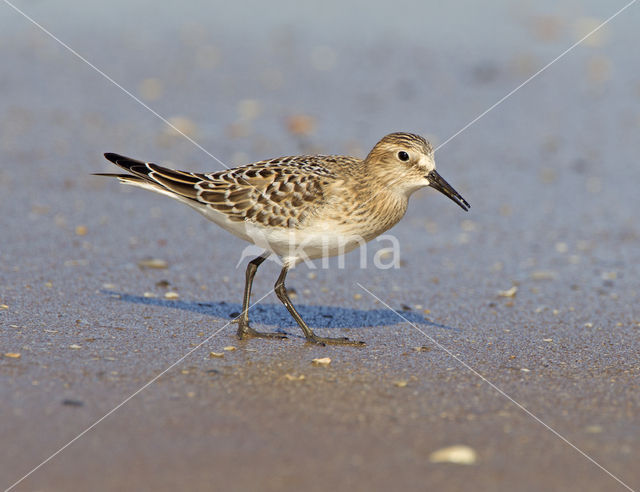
[[277, 315]]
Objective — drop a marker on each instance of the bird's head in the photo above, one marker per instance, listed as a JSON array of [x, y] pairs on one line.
[[404, 162]]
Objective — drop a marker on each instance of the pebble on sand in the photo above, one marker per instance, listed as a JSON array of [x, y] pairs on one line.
[[509, 292], [324, 361], [291, 377], [543, 275], [72, 403], [213, 355], [300, 124], [458, 454], [180, 125], [422, 348], [171, 295], [153, 263], [151, 89], [591, 27], [400, 383], [547, 28], [13, 355]]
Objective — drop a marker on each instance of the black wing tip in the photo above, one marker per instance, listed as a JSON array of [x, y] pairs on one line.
[[132, 165], [110, 156]]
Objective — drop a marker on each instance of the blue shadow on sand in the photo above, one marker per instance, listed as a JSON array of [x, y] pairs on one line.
[[277, 315]]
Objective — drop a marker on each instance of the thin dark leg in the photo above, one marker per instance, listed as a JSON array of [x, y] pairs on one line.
[[281, 292], [244, 330]]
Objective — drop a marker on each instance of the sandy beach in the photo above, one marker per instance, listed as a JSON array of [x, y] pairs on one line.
[[510, 333]]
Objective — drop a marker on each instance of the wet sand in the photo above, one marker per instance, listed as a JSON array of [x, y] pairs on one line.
[[551, 175]]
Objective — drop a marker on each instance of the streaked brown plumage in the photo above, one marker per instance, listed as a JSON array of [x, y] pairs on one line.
[[302, 207]]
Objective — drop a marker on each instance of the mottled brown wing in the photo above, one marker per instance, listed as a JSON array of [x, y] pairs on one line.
[[282, 192]]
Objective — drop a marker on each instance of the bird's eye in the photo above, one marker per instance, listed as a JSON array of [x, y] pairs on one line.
[[403, 156]]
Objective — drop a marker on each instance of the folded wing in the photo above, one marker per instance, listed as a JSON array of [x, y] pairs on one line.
[[281, 192]]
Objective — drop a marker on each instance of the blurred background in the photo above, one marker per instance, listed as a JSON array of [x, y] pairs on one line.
[[551, 173], [248, 81]]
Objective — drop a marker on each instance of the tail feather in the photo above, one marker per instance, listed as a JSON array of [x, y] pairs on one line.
[[123, 161], [153, 177], [134, 166], [119, 176]]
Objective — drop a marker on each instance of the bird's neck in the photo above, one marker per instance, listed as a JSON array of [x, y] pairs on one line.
[[384, 180]]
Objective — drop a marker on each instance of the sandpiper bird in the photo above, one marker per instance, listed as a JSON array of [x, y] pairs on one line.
[[301, 207]]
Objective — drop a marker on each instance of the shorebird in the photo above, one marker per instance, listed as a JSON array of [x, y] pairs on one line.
[[301, 207]]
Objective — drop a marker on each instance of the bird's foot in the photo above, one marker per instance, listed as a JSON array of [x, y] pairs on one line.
[[245, 331], [333, 341]]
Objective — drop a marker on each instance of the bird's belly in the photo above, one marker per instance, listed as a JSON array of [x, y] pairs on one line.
[[295, 245], [320, 239]]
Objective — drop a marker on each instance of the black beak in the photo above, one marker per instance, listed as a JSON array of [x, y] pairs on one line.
[[436, 181]]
